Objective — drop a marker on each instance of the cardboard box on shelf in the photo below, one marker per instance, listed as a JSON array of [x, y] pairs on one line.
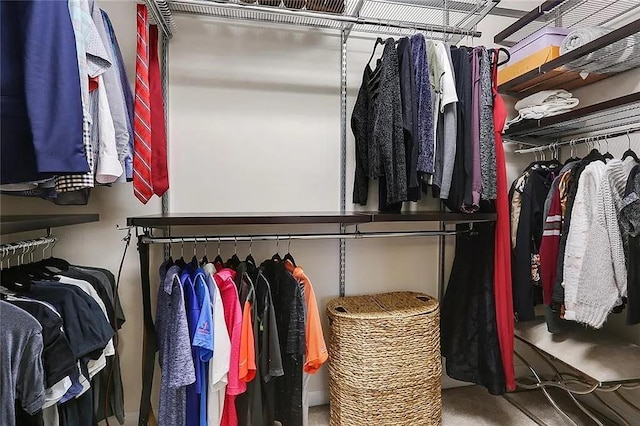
[[527, 64]]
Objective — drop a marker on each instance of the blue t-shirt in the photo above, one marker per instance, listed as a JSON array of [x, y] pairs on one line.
[[193, 316], [203, 339]]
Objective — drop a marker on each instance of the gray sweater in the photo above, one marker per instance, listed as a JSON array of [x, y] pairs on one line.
[[487, 135], [378, 129]]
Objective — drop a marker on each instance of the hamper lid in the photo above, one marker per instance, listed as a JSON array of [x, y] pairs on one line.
[[385, 305]]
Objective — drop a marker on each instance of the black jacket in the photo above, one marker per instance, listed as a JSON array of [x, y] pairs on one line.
[[528, 239], [461, 179]]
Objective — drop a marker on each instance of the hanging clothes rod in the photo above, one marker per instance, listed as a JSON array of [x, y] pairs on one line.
[[236, 8], [286, 237], [577, 141], [23, 247]]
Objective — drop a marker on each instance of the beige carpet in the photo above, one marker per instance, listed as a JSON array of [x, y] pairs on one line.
[[473, 405]]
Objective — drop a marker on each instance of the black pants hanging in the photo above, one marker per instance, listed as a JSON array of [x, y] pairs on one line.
[[469, 334]]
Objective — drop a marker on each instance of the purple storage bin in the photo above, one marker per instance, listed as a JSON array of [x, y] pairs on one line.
[[544, 37]]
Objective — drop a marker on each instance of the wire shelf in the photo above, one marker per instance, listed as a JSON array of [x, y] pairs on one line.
[[614, 52], [569, 14], [454, 19], [618, 113], [161, 16]]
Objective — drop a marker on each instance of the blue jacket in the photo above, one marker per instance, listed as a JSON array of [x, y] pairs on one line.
[[41, 104]]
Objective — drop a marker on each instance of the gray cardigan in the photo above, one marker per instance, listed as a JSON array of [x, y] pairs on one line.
[[377, 125]]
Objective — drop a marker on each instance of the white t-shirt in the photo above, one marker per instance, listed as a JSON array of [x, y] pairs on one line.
[[219, 363], [443, 83], [53, 394]]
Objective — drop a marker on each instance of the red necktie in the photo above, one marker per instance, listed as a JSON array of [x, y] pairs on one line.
[[142, 114], [160, 176]]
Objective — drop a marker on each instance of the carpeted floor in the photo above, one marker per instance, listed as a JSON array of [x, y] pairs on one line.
[[473, 405]]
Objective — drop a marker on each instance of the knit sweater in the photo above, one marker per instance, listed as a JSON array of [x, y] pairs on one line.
[[584, 209], [377, 126], [425, 135], [487, 137], [603, 279]]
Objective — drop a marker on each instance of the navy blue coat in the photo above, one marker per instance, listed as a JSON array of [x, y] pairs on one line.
[[41, 104]]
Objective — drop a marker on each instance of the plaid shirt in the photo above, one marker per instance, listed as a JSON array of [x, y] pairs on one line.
[[80, 17]]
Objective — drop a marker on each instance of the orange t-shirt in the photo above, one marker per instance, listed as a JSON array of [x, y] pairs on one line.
[[247, 346], [316, 348]]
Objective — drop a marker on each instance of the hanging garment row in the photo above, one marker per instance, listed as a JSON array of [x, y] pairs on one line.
[[477, 330], [61, 63], [574, 239], [58, 359], [424, 118], [238, 341]]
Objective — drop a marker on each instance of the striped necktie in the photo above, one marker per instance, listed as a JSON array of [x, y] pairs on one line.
[[142, 113], [158, 130]]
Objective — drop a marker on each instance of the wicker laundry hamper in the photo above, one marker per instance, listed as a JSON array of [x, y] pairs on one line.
[[384, 360]]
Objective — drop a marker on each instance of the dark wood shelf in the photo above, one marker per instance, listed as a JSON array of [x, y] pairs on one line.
[[22, 223], [186, 219], [620, 112], [347, 218], [432, 217]]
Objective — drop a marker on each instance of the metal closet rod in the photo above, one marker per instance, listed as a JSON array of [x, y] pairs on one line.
[[347, 19], [577, 141], [26, 245], [286, 237]]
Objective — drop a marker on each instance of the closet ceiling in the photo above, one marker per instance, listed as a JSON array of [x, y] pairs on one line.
[[451, 19]]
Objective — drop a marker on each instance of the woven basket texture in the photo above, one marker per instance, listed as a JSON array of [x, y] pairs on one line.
[[384, 360]]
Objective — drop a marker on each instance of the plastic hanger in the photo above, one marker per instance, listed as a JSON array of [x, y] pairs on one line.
[[608, 155], [629, 152], [594, 154], [204, 258], [31, 270], [375, 46], [54, 262], [288, 256], [194, 260], [218, 260], [572, 154], [234, 261], [15, 278], [276, 257], [495, 56], [250, 258], [180, 262]]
